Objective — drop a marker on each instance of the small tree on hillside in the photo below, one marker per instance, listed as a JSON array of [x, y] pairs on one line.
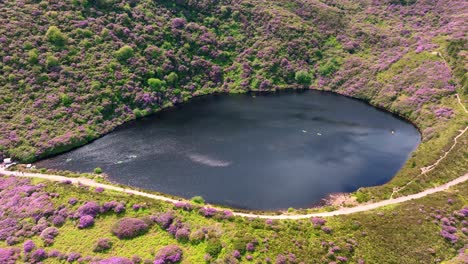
[[303, 78], [124, 53], [156, 84], [55, 36]]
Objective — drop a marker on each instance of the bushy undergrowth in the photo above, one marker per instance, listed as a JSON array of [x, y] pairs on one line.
[[435, 229]]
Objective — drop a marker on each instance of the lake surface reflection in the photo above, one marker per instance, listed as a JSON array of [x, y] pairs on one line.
[[265, 152]]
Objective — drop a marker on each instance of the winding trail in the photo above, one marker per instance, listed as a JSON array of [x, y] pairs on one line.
[[427, 169], [460, 102], [342, 211]]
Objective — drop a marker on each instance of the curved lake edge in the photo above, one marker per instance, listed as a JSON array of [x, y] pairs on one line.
[[321, 205]]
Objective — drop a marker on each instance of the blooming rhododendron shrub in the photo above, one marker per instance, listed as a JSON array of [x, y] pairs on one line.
[[169, 254], [164, 220], [115, 260], [38, 255], [49, 234], [102, 245], [114, 206], [89, 208], [318, 221], [8, 256], [29, 246], [86, 221], [129, 228], [19, 200]]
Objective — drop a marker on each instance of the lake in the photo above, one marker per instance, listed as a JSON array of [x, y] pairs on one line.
[[264, 152]]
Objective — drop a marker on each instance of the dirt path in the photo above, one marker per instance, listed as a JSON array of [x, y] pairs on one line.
[[460, 102], [342, 211], [427, 169]]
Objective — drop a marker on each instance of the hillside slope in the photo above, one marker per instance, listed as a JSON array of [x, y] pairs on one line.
[[72, 71]]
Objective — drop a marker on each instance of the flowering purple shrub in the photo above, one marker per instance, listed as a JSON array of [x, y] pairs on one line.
[[179, 230], [89, 208], [463, 213], [72, 201], [127, 228], [58, 220], [169, 254], [86, 221], [208, 211], [53, 253], [102, 245], [326, 229], [29, 246], [449, 236], [281, 259], [12, 240], [178, 23], [136, 259], [116, 260], [20, 200], [182, 234], [250, 247], [183, 205], [38, 255], [8, 256], [49, 234], [227, 214], [318, 221], [443, 112], [164, 220], [342, 259], [114, 206], [73, 256]]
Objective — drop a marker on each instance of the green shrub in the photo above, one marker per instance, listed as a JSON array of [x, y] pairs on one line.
[[172, 78], [213, 247], [362, 197], [97, 170], [124, 53], [156, 84], [198, 200], [33, 56], [303, 77], [139, 112], [329, 68], [52, 61], [66, 100], [55, 36]]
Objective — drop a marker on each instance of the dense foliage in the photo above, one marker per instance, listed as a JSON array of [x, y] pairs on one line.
[[73, 70], [435, 229]]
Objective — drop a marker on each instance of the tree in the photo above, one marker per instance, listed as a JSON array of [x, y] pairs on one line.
[[172, 78], [156, 84], [33, 56], [55, 36], [124, 53], [52, 61], [303, 77]]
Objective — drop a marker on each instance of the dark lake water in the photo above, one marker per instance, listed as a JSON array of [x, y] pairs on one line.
[[264, 152]]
